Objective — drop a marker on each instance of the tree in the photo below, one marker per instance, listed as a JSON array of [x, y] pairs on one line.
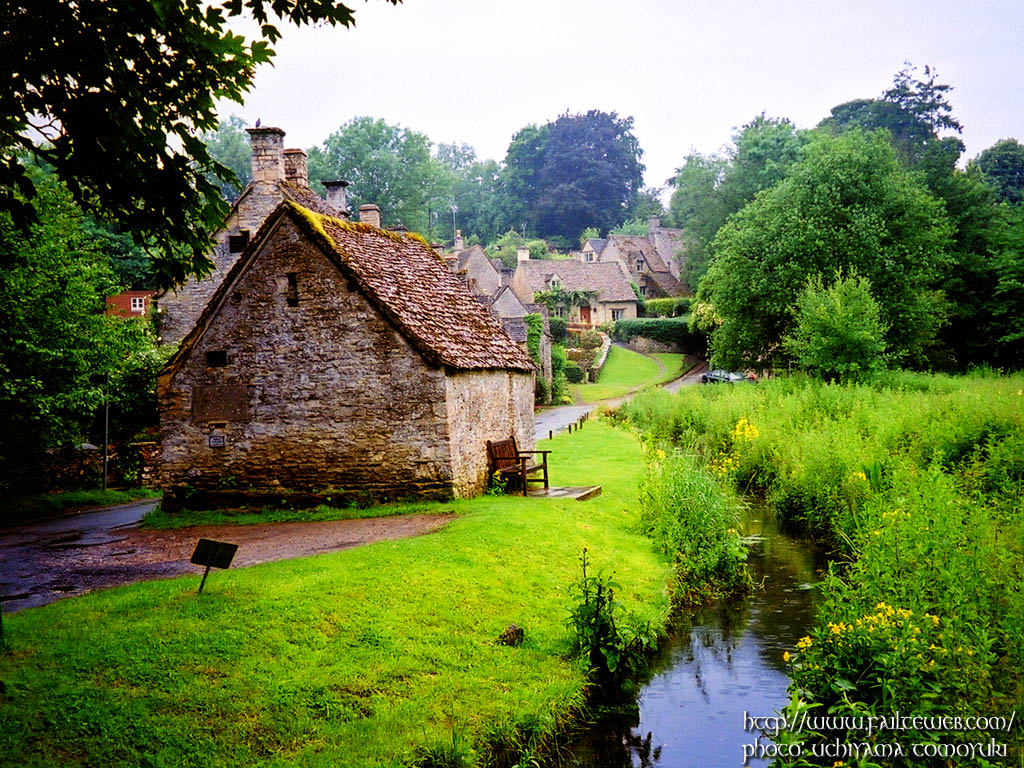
[[849, 205], [474, 189], [1003, 166], [387, 165], [579, 171], [59, 354], [229, 146], [114, 94], [709, 189], [838, 332]]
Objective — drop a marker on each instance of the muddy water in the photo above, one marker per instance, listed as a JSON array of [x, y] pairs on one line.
[[719, 664]]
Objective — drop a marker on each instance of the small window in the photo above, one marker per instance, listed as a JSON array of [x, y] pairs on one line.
[[643, 290], [138, 304], [617, 314], [292, 295], [216, 358], [237, 243], [639, 265], [589, 257]]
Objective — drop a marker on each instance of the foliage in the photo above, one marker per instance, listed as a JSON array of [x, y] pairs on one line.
[[708, 189], [387, 165], [666, 330], [559, 386], [1006, 303], [846, 205], [573, 373], [692, 519], [57, 347], [559, 298], [229, 146], [580, 171], [590, 233], [117, 112], [917, 482], [558, 326], [637, 227], [1003, 166], [506, 246], [667, 307], [474, 191], [838, 333], [616, 655]]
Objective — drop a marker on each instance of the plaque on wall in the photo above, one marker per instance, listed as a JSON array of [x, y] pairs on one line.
[[220, 402]]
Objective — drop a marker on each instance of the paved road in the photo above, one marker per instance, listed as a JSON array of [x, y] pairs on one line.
[[558, 419], [32, 567]]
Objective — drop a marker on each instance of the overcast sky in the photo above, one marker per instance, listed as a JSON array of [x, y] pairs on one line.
[[687, 71]]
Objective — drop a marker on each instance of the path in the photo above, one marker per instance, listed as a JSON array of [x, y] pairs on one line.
[[558, 419], [44, 561]]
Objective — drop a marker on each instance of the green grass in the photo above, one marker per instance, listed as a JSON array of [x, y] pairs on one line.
[[367, 657], [21, 508], [623, 371], [673, 363]]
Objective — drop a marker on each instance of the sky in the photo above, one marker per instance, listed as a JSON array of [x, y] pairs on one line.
[[689, 72]]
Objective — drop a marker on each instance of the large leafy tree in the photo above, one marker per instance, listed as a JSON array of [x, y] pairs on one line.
[[114, 94], [579, 171], [474, 185], [710, 188], [1003, 166], [229, 146], [387, 165], [59, 355], [847, 205]]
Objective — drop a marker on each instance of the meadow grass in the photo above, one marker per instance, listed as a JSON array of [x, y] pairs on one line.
[[623, 371], [383, 655], [18, 509], [917, 484]]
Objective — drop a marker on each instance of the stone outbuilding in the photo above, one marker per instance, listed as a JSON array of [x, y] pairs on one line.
[[336, 358]]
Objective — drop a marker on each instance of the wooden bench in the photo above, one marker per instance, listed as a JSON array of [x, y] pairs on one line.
[[509, 462]]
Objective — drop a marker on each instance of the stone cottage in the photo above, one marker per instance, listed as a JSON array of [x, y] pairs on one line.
[[335, 358], [614, 298]]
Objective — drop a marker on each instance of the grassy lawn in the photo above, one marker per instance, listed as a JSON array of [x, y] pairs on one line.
[[623, 371], [375, 656], [673, 362]]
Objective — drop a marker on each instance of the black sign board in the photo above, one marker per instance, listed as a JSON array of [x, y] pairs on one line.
[[213, 554], [216, 554]]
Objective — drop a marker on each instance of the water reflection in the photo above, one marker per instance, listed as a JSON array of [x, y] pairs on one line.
[[719, 664]]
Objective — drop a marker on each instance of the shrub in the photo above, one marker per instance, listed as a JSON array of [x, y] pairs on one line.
[[573, 373], [667, 330], [557, 326], [675, 306]]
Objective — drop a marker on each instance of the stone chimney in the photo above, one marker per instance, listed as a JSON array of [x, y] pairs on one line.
[[370, 214], [267, 155], [460, 241], [653, 225], [295, 168], [522, 253], [336, 196]]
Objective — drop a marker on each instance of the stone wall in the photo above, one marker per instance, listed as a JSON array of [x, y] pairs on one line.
[[323, 394], [179, 309], [482, 406]]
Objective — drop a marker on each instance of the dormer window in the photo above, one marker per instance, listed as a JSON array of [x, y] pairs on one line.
[[639, 265]]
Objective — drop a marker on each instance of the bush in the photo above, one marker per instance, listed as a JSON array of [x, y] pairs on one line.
[[573, 373], [675, 306], [557, 325], [667, 330]]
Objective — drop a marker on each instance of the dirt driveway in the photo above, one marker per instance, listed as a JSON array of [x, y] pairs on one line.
[[45, 562]]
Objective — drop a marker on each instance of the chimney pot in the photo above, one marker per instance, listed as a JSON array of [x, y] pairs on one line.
[[337, 197], [522, 253], [370, 214], [296, 169], [653, 225], [267, 161], [460, 241]]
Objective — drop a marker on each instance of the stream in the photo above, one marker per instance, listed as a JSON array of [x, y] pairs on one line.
[[718, 664]]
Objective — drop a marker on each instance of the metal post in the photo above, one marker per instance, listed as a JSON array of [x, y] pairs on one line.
[[106, 429], [455, 209], [203, 582]]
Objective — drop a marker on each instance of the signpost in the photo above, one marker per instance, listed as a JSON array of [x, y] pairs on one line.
[[212, 554]]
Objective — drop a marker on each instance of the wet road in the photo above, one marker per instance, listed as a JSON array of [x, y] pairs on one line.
[[33, 557]]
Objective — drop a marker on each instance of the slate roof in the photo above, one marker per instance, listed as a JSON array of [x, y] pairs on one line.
[[404, 279], [604, 277], [597, 244]]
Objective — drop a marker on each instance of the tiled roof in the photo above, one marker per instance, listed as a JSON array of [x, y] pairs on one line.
[[632, 245], [307, 198], [597, 244], [404, 279], [604, 277], [669, 283]]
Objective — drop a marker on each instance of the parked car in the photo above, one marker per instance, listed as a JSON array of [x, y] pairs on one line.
[[719, 376]]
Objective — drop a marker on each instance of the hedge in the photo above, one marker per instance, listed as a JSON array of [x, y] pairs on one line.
[[674, 306], [667, 330]]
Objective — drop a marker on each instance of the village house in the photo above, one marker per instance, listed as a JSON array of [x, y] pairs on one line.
[[337, 358], [651, 262], [612, 296], [130, 303]]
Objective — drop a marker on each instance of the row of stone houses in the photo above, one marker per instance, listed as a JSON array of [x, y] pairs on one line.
[[652, 262], [325, 357]]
